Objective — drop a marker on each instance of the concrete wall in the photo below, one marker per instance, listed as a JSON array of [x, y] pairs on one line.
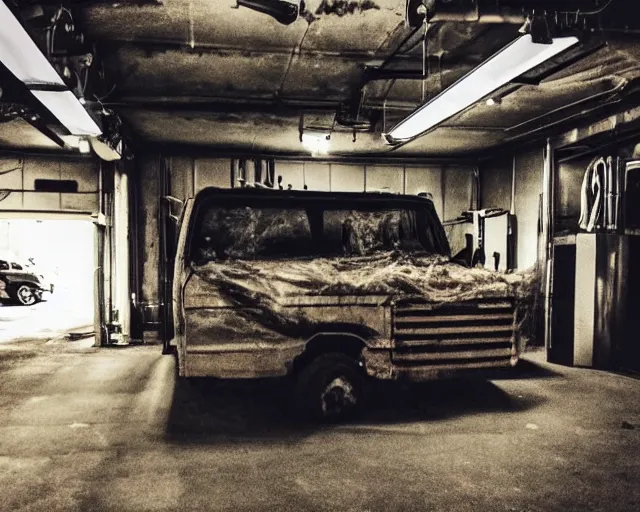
[[19, 172], [495, 192], [148, 228], [528, 189], [452, 187], [495, 184]]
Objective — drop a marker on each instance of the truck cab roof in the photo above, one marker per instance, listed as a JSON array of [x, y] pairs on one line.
[[380, 198]]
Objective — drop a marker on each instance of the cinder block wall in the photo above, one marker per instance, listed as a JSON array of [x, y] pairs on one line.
[[18, 175], [452, 187]]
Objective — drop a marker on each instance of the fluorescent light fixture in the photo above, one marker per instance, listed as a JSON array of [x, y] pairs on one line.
[[82, 144], [516, 59], [316, 143], [69, 111], [20, 54], [23, 58], [104, 150]]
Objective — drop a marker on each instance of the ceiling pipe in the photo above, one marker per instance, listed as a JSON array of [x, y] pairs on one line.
[[503, 16], [495, 11], [469, 12]]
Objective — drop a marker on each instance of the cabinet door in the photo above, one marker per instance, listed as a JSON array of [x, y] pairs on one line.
[[563, 305]]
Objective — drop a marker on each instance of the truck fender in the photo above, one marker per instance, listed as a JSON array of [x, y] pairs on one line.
[[325, 342]]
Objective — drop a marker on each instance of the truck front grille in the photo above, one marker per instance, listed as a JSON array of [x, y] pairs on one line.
[[474, 334]]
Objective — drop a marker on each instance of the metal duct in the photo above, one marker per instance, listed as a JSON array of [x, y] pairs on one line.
[[495, 11]]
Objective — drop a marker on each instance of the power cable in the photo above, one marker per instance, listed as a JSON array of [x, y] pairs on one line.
[[2, 173], [425, 58]]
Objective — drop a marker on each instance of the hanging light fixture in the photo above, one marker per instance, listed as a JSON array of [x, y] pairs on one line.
[[23, 58], [516, 59]]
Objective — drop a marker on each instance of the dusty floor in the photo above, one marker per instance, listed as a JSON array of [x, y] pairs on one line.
[[111, 429]]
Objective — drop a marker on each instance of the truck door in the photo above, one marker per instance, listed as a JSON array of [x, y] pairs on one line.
[[173, 212], [179, 271]]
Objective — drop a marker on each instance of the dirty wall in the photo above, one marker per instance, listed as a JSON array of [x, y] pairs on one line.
[[24, 179], [522, 196]]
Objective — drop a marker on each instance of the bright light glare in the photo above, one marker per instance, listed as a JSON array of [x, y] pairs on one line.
[[68, 110], [509, 63], [316, 143], [20, 54], [24, 59], [84, 146], [76, 142]]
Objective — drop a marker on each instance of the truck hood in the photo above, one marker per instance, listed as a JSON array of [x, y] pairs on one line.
[[392, 275], [271, 301]]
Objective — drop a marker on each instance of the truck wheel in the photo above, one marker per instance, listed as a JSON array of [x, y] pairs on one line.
[[330, 388], [26, 295]]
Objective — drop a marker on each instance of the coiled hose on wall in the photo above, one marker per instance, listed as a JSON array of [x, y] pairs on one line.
[[592, 195]]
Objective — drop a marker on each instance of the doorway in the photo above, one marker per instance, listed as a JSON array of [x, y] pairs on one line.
[[47, 267]]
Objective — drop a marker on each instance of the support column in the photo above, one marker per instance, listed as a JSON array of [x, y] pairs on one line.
[[122, 300], [547, 240], [99, 317]]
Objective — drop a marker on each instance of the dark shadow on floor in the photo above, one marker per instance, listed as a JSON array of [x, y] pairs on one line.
[[440, 400], [524, 370], [8, 303], [213, 411], [210, 410]]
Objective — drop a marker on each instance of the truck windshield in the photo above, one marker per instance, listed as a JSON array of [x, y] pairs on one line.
[[248, 233]]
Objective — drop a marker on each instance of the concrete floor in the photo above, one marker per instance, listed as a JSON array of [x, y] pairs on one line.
[[111, 429], [64, 310]]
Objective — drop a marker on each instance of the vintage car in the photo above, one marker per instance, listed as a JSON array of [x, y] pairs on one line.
[[330, 288], [21, 284]]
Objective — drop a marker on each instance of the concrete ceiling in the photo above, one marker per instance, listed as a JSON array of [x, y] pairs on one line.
[[204, 73]]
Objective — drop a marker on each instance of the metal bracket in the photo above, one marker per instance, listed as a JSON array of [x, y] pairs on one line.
[[99, 219]]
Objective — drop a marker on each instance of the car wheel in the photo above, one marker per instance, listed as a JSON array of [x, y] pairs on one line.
[[330, 388], [26, 295]]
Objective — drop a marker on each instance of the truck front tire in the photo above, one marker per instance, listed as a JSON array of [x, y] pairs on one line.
[[332, 387]]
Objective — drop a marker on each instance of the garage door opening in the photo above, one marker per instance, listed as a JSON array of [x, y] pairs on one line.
[[47, 274]]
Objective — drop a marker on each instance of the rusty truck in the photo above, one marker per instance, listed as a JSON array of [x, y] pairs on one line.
[[331, 289]]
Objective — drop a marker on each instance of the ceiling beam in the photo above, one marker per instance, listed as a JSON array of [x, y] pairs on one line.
[[221, 104], [372, 158], [624, 121], [165, 45]]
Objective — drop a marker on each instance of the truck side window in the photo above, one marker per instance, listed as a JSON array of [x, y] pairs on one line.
[[250, 233], [15, 266], [360, 233], [4, 265], [282, 233]]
